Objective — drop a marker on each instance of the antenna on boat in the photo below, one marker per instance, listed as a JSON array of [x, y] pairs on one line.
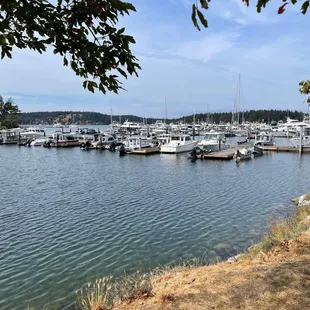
[[111, 117], [165, 109]]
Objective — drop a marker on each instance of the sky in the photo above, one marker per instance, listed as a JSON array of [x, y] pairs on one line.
[[196, 71]]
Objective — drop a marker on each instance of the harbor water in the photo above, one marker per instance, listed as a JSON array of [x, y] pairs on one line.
[[68, 217]]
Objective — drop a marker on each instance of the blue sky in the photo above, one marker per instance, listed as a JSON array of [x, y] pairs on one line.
[[194, 70]]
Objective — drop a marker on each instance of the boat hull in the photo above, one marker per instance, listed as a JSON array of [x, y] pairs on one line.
[[175, 149]]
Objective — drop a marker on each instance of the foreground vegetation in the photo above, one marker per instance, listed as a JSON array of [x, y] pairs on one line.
[[272, 274]]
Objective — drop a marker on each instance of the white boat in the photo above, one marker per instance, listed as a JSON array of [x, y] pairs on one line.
[[305, 138], [39, 141], [130, 126], [137, 143], [213, 141], [178, 144], [103, 140], [64, 140], [33, 133], [243, 154], [264, 139], [11, 136]]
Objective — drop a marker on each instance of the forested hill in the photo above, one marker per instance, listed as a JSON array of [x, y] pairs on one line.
[[70, 117], [82, 118]]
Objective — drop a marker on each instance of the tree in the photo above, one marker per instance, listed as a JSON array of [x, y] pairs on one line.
[[8, 113], [82, 32]]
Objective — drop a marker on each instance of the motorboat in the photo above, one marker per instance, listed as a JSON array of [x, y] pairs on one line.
[[178, 144], [11, 136], [64, 140], [137, 143], [264, 139], [257, 151], [39, 141], [214, 141], [103, 140], [243, 154], [33, 133]]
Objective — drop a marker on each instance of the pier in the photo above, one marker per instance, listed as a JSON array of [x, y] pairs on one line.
[[227, 154]]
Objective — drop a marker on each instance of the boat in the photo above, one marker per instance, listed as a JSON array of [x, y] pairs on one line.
[[39, 141], [64, 140], [122, 150], [137, 143], [198, 152], [264, 139], [103, 140], [257, 151], [178, 144], [11, 136], [87, 131], [243, 154], [214, 141], [33, 133], [242, 142]]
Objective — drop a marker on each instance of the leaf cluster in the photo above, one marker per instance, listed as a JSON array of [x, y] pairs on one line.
[[204, 4], [305, 89], [82, 32]]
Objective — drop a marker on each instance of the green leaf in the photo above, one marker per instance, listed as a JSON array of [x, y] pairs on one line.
[[90, 87], [204, 4], [194, 19], [122, 72], [202, 19], [304, 7], [65, 61]]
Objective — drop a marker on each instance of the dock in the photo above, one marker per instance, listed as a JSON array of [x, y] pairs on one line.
[[227, 154], [145, 151], [285, 149]]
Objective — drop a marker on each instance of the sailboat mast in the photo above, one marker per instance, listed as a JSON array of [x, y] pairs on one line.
[[238, 104], [111, 117], [165, 109]]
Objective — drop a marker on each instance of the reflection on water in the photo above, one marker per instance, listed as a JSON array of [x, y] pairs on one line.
[[68, 217]]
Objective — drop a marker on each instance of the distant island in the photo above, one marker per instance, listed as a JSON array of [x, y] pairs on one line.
[[95, 118]]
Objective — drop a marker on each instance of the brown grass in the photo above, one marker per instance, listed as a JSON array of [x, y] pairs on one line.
[[273, 274]]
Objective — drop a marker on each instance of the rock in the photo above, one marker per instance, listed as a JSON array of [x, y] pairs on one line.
[[303, 200], [221, 246]]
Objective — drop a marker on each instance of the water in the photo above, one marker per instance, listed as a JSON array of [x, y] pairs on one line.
[[68, 217]]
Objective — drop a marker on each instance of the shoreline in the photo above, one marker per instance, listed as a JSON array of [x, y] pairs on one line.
[[222, 285]]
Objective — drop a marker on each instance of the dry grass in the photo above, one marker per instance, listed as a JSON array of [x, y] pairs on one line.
[[273, 274]]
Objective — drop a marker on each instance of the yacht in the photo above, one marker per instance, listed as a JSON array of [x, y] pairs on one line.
[[33, 133], [264, 139], [178, 144], [213, 141]]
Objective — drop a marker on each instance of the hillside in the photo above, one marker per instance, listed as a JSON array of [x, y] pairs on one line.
[[95, 118]]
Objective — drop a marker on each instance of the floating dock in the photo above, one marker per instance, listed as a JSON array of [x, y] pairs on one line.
[[285, 149], [227, 154]]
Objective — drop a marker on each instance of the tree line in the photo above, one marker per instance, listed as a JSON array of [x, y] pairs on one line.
[[95, 118]]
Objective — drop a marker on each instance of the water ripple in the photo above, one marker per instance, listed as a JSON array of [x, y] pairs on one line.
[[68, 217]]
